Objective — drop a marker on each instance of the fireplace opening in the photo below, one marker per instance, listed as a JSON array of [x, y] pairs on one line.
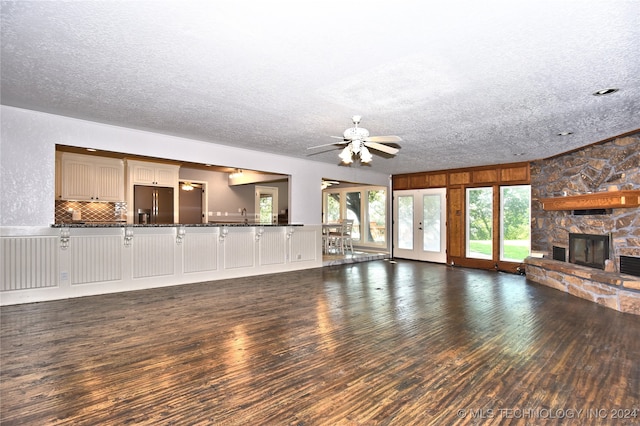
[[588, 250]]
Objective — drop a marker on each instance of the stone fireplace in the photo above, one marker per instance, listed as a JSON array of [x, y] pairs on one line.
[[581, 205]]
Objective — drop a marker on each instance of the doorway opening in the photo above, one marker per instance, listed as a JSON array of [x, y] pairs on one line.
[[266, 204], [192, 202]]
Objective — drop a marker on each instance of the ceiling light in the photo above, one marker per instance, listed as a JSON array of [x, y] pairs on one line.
[[607, 91], [345, 155], [365, 155], [236, 174], [358, 149], [187, 186], [565, 133], [91, 149]]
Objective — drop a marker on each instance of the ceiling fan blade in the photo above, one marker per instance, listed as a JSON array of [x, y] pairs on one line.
[[383, 139], [327, 144], [384, 148]]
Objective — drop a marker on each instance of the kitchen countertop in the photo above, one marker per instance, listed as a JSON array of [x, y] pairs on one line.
[[163, 225]]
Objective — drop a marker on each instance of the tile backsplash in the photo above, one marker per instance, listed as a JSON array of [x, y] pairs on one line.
[[86, 211]]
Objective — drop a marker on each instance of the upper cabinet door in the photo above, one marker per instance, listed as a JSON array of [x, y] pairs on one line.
[[167, 176], [109, 181], [77, 179], [87, 178], [146, 173]]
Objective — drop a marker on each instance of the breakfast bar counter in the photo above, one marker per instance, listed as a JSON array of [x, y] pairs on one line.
[[80, 259]]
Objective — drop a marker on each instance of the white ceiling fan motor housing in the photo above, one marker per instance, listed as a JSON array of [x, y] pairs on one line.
[[356, 133]]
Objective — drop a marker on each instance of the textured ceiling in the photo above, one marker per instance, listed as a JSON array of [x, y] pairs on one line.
[[463, 83]]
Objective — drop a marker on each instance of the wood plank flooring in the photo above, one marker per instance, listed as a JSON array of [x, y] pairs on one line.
[[374, 343]]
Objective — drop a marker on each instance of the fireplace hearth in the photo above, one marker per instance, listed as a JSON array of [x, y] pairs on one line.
[[588, 250]]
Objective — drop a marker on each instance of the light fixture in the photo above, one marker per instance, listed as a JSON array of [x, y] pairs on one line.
[[365, 155], [236, 174], [345, 155], [606, 91], [187, 186], [565, 133], [355, 148], [328, 183]]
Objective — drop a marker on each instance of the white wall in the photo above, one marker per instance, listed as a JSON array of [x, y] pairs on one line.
[[27, 163]]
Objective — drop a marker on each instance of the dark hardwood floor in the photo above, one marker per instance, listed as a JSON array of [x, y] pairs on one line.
[[374, 343]]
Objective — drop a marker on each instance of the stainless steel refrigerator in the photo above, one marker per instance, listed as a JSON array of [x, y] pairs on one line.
[[152, 204]]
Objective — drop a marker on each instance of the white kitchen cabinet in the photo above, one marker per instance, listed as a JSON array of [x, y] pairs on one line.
[[58, 175], [147, 173], [88, 178]]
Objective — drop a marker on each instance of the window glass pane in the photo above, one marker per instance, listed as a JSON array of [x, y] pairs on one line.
[[431, 220], [266, 208], [333, 208], [405, 222], [354, 207], [377, 208], [479, 223], [515, 220]]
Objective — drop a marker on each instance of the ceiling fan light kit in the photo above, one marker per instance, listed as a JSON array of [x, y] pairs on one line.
[[346, 155], [358, 139]]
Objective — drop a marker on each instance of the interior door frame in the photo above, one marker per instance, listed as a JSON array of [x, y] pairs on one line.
[[418, 252], [270, 190], [205, 197]]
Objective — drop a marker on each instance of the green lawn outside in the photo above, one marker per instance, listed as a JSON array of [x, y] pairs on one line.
[[514, 251]]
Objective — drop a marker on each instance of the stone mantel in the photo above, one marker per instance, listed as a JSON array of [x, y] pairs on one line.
[[598, 200], [613, 290]]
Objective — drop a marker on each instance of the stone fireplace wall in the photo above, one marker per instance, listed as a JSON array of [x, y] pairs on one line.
[[612, 165]]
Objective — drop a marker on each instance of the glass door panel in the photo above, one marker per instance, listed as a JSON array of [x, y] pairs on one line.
[[515, 222], [420, 231], [404, 211], [479, 223], [431, 208]]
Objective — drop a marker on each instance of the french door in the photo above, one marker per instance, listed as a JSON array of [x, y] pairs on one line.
[[419, 224]]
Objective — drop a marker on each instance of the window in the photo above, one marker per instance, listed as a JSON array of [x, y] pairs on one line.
[[366, 206], [479, 223], [377, 210], [332, 207], [354, 212], [515, 222]]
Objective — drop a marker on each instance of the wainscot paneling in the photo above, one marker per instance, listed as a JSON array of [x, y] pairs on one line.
[[95, 259], [305, 244], [153, 254], [200, 251], [29, 262], [273, 246], [46, 263], [236, 246]]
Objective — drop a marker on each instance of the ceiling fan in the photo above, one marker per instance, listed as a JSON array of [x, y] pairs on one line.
[[358, 140], [328, 183]]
